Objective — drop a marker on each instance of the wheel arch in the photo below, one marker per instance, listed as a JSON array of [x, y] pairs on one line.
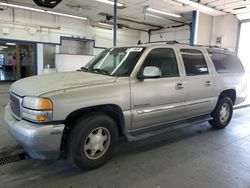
[[112, 110], [231, 93]]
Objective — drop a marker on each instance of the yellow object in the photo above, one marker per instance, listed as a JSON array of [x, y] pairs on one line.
[[40, 117], [44, 104]]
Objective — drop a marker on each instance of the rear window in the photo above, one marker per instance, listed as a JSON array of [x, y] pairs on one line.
[[225, 62], [194, 61]]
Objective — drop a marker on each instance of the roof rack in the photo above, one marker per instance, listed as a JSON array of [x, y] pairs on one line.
[[176, 42]]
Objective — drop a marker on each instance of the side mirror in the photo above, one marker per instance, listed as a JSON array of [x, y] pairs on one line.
[[150, 72]]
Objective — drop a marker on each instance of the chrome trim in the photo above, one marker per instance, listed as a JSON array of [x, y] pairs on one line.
[[158, 109], [20, 105], [195, 103]]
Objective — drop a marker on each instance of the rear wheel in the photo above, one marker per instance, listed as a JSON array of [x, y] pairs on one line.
[[92, 141], [222, 113]]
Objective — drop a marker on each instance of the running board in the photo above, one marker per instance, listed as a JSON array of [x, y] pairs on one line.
[[161, 129]]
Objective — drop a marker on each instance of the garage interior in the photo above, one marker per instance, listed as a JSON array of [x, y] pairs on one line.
[[36, 40]]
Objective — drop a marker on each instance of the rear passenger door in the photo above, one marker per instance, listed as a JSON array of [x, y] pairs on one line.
[[199, 83]]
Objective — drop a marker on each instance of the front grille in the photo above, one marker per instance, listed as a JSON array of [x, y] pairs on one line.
[[15, 104]]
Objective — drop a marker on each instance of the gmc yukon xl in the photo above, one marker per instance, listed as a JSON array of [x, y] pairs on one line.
[[136, 91]]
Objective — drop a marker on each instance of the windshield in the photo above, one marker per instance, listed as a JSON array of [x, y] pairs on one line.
[[115, 61]]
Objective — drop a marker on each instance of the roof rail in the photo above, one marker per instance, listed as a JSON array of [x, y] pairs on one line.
[[176, 42], [167, 42]]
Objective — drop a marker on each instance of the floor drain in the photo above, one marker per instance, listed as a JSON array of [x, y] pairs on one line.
[[13, 158]]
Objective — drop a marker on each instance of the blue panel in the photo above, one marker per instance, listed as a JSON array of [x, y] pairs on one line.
[[193, 31]]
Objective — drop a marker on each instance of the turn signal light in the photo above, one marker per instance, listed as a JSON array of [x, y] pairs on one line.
[[44, 104]]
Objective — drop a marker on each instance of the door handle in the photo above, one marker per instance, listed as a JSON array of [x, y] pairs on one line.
[[179, 86], [208, 83]]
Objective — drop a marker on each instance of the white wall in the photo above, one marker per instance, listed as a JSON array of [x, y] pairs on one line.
[[33, 26], [227, 27], [39, 59], [38, 27], [181, 34], [210, 28], [67, 62], [204, 29]]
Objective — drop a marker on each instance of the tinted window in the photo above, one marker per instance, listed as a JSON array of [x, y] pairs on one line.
[[165, 59], [194, 61], [224, 62]]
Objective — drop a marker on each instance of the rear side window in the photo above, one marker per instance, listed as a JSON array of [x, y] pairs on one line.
[[194, 62], [226, 63], [165, 59]]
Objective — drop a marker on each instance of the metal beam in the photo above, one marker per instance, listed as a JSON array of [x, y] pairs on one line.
[[115, 24]]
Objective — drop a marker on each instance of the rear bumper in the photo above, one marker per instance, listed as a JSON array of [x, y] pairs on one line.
[[39, 141]]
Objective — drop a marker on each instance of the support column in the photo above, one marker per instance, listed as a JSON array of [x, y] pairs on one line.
[[18, 62], [195, 19], [115, 24]]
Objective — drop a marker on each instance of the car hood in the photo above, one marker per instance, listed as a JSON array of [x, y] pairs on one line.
[[44, 84]]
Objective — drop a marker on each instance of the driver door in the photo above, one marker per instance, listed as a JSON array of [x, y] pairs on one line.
[[155, 101]]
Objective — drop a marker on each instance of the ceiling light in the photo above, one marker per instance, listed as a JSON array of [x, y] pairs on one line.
[[111, 3], [10, 44], [21, 7], [105, 24], [196, 5], [200, 6], [186, 2], [67, 15], [163, 12], [154, 16], [3, 47], [43, 11]]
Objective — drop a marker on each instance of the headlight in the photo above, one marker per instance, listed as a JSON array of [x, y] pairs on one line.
[[37, 109]]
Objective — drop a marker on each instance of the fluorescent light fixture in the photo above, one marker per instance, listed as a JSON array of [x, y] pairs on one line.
[[67, 15], [21, 7], [42, 11], [10, 44], [111, 3], [200, 6], [196, 5], [2, 47], [186, 2], [105, 24], [154, 16], [163, 12]]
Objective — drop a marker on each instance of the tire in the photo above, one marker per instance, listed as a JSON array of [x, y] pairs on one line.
[[222, 113], [92, 141]]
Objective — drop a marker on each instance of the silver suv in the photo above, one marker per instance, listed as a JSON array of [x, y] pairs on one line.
[[136, 91]]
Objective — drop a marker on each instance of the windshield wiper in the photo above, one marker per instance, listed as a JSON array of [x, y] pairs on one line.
[[100, 71], [83, 69]]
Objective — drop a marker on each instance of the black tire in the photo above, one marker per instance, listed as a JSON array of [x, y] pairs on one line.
[[218, 121], [81, 134]]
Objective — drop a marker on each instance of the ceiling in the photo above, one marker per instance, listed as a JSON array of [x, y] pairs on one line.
[[135, 9], [241, 8]]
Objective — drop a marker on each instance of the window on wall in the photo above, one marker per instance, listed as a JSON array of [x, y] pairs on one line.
[[165, 59], [76, 47], [194, 61]]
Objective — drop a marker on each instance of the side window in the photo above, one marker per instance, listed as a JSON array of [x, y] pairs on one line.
[[165, 59], [226, 63], [194, 62]]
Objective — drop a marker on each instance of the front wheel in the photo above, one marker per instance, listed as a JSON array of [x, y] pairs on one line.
[[92, 141], [222, 113]]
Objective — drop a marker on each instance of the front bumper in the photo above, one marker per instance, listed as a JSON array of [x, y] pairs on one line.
[[39, 141]]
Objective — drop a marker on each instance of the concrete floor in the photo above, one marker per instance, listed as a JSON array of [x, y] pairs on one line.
[[197, 156]]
